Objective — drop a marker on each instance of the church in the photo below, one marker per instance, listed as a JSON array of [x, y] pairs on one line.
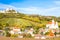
[[52, 25]]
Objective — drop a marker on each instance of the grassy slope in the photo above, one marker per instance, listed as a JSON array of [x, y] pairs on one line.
[[24, 20]]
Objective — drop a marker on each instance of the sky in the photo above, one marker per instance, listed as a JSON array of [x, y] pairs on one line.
[[38, 7]]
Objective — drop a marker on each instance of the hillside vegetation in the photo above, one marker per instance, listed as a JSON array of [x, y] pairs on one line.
[[24, 21]]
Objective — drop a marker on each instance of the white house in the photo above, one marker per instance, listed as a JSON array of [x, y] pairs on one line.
[[52, 25], [15, 30], [31, 31]]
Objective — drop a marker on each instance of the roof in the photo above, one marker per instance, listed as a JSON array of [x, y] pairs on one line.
[[16, 28], [51, 22]]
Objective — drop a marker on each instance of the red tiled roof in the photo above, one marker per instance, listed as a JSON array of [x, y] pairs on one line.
[[51, 22], [16, 27]]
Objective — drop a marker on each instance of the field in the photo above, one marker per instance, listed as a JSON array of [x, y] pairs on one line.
[[8, 38]]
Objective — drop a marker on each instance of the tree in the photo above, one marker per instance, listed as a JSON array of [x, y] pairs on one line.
[[1, 27], [7, 25]]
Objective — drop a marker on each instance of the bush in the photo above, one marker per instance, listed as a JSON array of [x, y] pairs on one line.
[[46, 33], [27, 35], [8, 34], [14, 35]]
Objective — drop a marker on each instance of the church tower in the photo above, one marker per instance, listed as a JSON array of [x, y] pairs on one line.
[[56, 26]]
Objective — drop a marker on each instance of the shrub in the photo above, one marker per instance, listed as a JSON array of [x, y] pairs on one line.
[[14, 35], [27, 35], [46, 33]]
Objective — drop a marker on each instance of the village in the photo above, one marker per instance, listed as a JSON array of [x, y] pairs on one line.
[[52, 30]]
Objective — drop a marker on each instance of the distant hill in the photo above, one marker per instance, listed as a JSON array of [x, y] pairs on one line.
[[13, 18]]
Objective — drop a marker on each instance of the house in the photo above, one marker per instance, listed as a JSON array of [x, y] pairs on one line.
[[41, 31], [51, 33], [43, 37], [52, 25], [15, 30], [1, 33], [37, 36], [31, 31]]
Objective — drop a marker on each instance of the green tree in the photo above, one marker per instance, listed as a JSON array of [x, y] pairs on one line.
[[1, 27]]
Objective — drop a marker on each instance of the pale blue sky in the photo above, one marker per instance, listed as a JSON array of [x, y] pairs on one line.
[[40, 7]]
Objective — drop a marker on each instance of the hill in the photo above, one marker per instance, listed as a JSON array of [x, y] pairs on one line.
[[12, 18]]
